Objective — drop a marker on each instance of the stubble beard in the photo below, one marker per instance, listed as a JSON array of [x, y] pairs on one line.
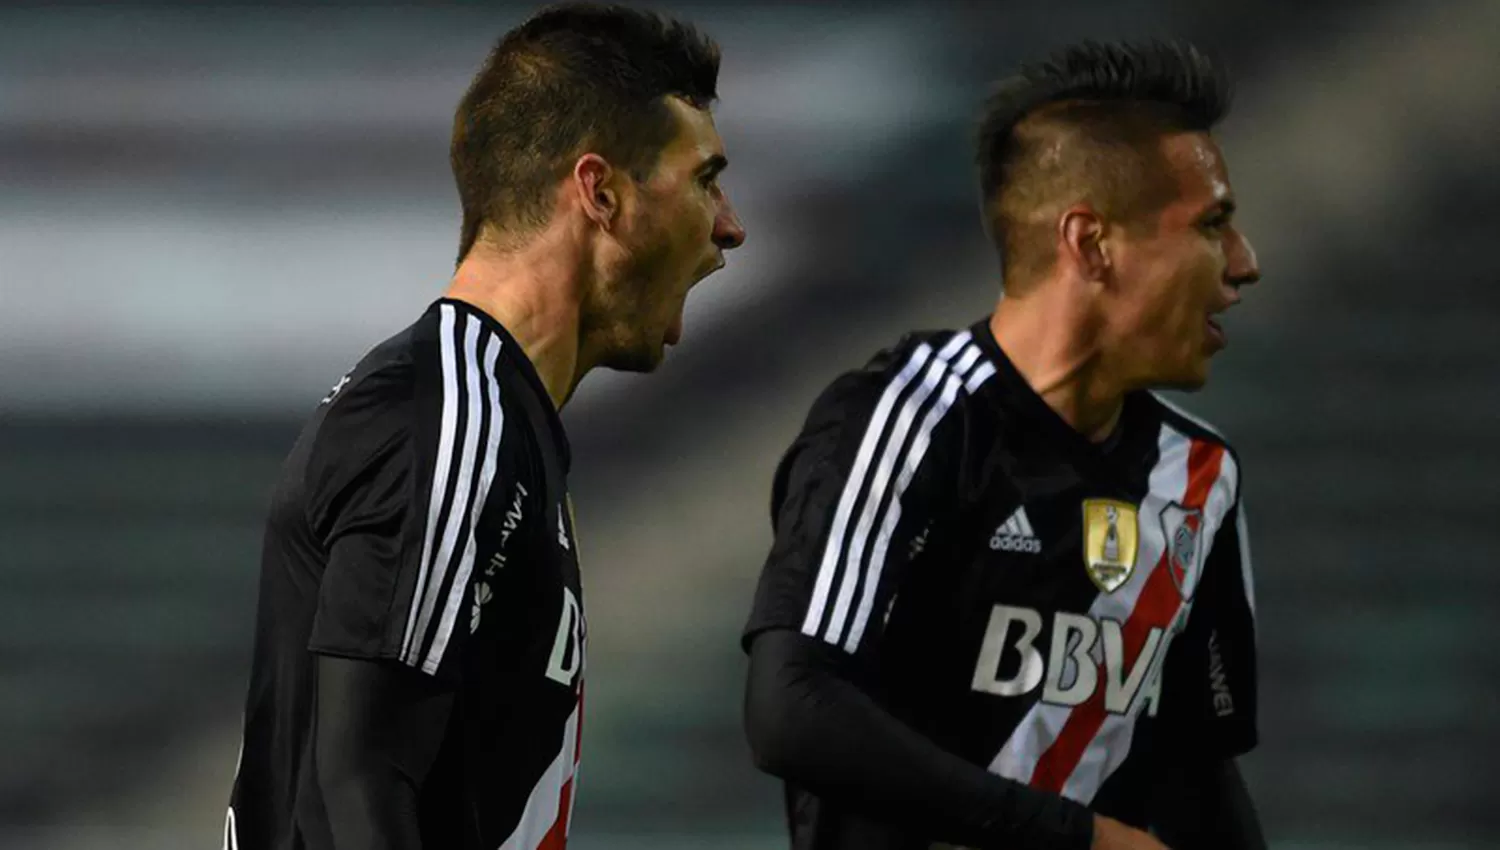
[[624, 319]]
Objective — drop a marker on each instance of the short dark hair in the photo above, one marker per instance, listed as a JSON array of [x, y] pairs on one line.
[[1081, 126], [574, 78]]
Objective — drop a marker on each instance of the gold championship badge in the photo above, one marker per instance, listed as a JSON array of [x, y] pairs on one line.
[[1109, 542]]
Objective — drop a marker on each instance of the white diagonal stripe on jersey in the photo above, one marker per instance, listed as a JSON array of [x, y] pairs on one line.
[[953, 346], [447, 351], [832, 550], [985, 371], [966, 362], [542, 803], [459, 591], [463, 490], [892, 517], [1111, 744], [1044, 722], [882, 473]]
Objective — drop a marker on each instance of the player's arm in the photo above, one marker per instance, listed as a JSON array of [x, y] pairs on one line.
[[385, 643], [1205, 805], [379, 727], [808, 722], [818, 622], [1209, 710]]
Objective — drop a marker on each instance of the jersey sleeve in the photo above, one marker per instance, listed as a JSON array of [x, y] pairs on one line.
[[871, 477], [1209, 699], [396, 483]]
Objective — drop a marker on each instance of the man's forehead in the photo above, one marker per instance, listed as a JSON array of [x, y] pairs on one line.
[[1197, 165], [695, 127]]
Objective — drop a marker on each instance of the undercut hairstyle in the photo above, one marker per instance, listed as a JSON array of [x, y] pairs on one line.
[[1085, 126], [575, 78]]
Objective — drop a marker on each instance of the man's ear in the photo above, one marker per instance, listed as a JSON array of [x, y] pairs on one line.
[[593, 181], [1081, 242]]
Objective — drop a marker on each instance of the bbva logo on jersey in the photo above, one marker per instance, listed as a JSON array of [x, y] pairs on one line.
[[566, 660], [1069, 675]]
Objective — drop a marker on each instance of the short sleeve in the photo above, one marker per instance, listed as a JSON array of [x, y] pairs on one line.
[[1209, 699], [397, 481], [856, 499]]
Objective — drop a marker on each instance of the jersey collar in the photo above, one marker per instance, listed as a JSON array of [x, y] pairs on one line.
[[1011, 391]]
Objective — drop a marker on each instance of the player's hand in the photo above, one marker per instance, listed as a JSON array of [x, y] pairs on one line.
[[1110, 834]]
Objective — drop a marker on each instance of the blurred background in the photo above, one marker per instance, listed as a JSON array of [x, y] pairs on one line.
[[209, 212]]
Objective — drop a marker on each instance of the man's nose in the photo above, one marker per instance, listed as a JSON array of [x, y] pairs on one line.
[[1243, 268], [729, 233]]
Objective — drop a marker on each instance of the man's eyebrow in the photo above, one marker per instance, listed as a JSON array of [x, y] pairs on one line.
[[713, 165], [1224, 207]]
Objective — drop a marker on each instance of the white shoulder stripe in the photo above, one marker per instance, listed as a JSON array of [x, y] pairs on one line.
[[485, 396], [447, 560], [462, 482], [879, 486], [871, 495], [955, 345], [833, 549], [985, 371], [447, 316], [462, 489], [966, 362], [909, 466]]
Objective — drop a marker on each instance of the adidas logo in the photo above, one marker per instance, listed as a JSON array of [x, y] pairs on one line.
[[1015, 535]]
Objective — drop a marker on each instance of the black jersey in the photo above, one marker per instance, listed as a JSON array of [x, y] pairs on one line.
[[1061, 612], [422, 519]]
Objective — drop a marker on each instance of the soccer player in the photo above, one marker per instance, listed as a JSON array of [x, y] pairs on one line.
[[420, 641], [1008, 604]]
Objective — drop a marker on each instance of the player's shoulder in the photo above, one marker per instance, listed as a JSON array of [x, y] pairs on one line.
[[1193, 426], [381, 384], [470, 380], [452, 351], [436, 393], [928, 371], [1184, 421]]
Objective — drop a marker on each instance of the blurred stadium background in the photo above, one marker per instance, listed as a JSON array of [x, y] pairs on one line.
[[207, 212]]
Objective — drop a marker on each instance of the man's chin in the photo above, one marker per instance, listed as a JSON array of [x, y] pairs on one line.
[[641, 359], [1188, 381]]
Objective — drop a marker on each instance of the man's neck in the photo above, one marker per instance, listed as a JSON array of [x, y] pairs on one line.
[[534, 294], [1049, 341]]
